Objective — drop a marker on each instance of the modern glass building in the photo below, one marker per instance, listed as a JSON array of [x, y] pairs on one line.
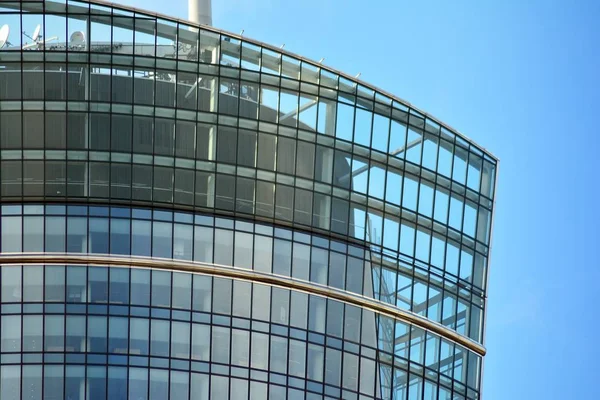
[[188, 214]]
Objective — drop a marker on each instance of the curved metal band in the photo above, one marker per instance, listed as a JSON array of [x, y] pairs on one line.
[[248, 275]]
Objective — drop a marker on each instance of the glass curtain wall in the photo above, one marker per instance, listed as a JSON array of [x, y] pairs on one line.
[[138, 136]]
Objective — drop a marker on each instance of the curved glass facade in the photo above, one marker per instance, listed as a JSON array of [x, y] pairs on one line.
[[146, 138]]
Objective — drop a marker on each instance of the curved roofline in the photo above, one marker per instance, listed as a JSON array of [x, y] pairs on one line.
[[294, 55]]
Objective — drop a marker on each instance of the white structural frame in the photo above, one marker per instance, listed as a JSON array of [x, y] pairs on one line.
[[200, 11]]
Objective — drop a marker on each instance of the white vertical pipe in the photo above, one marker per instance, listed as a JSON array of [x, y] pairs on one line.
[[200, 11]]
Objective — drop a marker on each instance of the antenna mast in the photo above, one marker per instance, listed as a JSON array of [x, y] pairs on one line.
[[200, 11]]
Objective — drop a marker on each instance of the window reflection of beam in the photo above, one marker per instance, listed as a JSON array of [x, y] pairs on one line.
[[420, 307], [401, 382], [393, 153], [298, 110], [416, 307]]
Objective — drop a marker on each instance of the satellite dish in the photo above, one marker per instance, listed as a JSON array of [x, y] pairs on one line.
[[4, 32], [78, 38], [36, 33]]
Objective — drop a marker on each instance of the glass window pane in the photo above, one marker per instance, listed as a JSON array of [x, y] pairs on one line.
[[159, 338], [138, 336], [282, 257], [200, 346], [317, 314], [119, 285], [32, 382], [32, 333], [11, 333], [182, 243], [240, 341], [296, 363], [335, 318], [11, 234], [140, 287], [11, 284], [298, 309], [33, 283], [180, 385], [199, 386], [54, 333], [222, 296], [117, 376], [162, 239], [97, 334], [301, 261], [119, 236], [180, 339], [260, 351], [261, 301], [182, 290], [159, 384], [223, 247], [337, 270], [241, 298], [55, 283], [318, 266], [53, 381], [11, 382], [202, 293], [117, 335], [280, 305], [33, 234], [98, 239], [219, 387], [55, 234], [243, 250], [161, 288], [96, 382], [98, 284], [315, 362], [75, 335], [76, 284], [220, 345], [350, 366], [203, 244], [138, 383], [77, 231], [279, 347], [140, 240]]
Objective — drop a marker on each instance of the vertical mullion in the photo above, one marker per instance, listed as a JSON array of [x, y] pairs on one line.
[[23, 116], [314, 161], [445, 273], [230, 327], [250, 338], [429, 281], [400, 231], [416, 229], [170, 343], [384, 200], [190, 335]]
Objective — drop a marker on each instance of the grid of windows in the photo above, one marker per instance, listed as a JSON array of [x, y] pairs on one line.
[[159, 319], [274, 163], [372, 209], [257, 147], [264, 248]]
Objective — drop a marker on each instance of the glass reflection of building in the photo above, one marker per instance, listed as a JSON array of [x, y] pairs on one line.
[[190, 214]]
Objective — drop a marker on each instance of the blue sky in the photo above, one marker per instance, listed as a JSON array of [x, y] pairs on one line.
[[521, 79]]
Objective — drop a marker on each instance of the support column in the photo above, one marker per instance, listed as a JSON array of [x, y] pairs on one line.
[[200, 11]]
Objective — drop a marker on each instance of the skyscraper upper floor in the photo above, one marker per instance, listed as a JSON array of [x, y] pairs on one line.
[[137, 135]]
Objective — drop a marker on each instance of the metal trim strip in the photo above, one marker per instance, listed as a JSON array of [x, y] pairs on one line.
[[248, 275]]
